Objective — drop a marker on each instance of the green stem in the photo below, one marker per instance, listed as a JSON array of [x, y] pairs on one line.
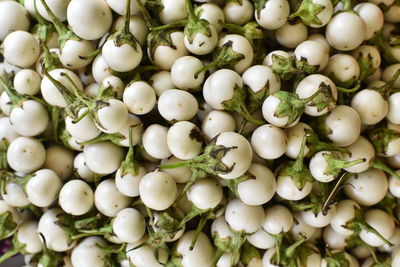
[[378, 164], [199, 227], [351, 90], [146, 15], [14, 96], [299, 163], [173, 25], [12, 252], [333, 193]]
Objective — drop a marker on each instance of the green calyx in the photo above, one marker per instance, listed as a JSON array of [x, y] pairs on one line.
[[7, 84], [284, 67], [381, 136], [64, 34], [232, 244], [386, 89], [43, 29], [130, 164], [248, 253], [324, 98], [256, 99], [49, 258], [335, 164], [290, 106], [259, 5], [378, 164], [194, 24], [303, 66], [251, 30], [238, 104], [297, 170], [159, 38], [7, 225], [115, 138], [51, 61], [315, 145], [308, 12], [391, 205], [314, 201], [210, 162], [4, 143], [224, 57], [96, 225], [124, 35], [384, 47], [366, 64], [336, 259], [358, 223], [234, 183]]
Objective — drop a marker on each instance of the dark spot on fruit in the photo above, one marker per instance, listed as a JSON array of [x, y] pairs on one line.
[[195, 134]]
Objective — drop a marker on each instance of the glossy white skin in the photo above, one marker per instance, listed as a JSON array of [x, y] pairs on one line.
[[318, 220], [269, 142], [269, 253], [108, 200], [274, 15], [27, 82], [314, 52], [135, 124], [260, 189], [165, 56], [74, 144], [103, 157], [180, 142], [261, 239], [120, 6], [367, 188], [258, 77], [139, 97], [394, 161], [4, 207], [320, 38], [362, 148], [334, 240], [76, 197], [81, 169], [242, 217], [345, 124], [345, 212], [242, 46], [154, 141], [286, 189], [394, 108], [177, 105], [216, 122], [83, 130], [238, 12], [239, 158], [88, 252], [56, 238], [42, 189], [183, 73], [73, 51], [5, 103], [295, 137], [394, 185], [129, 225], [28, 236], [137, 27], [90, 20], [21, 49], [308, 86], [325, 15], [269, 108], [268, 60], [345, 31], [161, 81], [26, 154], [343, 67], [158, 190], [219, 87], [392, 15], [202, 44], [122, 58], [14, 195], [205, 194], [59, 9], [301, 229], [202, 253], [51, 94], [13, 17], [381, 222], [370, 105], [30, 118], [129, 184], [318, 165], [60, 160], [372, 16], [393, 147], [388, 73], [212, 13], [113, 117], [7, 131], [143, 256], [100, 69], [180, 175], [172, 11], [290, 35]]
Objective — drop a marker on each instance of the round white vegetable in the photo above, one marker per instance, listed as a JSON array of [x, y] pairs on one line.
[[108, 200], [43, 188], [76, 197], [26, 154], [21, 49], [103, 157], [269, 142]]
